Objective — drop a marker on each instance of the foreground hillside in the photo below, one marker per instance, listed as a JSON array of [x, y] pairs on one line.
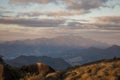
[[100, 70]]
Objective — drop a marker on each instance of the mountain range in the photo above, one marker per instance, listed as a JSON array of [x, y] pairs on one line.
[[73, 49], [47, 46], [81, 56], [73, 57]]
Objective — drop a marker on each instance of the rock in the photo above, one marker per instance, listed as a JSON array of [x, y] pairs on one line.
[[38, 68]]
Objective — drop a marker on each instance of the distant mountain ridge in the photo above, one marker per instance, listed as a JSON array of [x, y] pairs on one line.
[[67, 40], [92, 54], [75, 56], [47, 46], [73, 49]]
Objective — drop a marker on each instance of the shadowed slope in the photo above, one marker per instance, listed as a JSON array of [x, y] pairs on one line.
[[1, 71]]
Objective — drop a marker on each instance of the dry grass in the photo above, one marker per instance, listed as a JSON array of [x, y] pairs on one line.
[[96, 71], [104, 70]]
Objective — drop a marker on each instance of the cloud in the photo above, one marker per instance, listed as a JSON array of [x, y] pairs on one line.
[[24, 1], [108, 22], [104, 23], [6, 13], [84, 4], [49, 13], [79, 25], [29, 14], [64, 7], [33, 22], [109, 19], [63, 13]]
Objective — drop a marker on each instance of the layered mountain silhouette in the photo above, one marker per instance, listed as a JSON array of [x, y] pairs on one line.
[[56, 63], [47, 46], [78, 56], [73, 49]]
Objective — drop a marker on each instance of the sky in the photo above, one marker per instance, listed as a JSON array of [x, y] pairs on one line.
[[29, 19]]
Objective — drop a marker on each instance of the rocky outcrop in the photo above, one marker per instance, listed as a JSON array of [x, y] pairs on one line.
[[38, 68]]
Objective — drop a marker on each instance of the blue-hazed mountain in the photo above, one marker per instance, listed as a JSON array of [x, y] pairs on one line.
[[76, 50], [77, 56], [47, 46], [56, 63]]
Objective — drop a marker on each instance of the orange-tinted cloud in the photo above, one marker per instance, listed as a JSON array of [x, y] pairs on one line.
[[70, 4], [70, 7], [84, 4], [108, 22], [23, 1], [50, 13], [104, 22], [108, 19]]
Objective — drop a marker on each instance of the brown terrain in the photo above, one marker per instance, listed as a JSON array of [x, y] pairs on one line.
[[99, 70]]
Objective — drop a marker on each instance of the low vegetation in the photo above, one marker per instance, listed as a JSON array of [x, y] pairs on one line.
[[99, 70]]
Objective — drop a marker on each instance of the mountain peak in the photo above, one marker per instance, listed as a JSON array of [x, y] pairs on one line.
[[114, 47]]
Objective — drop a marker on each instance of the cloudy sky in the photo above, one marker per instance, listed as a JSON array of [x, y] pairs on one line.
[[28, 19]]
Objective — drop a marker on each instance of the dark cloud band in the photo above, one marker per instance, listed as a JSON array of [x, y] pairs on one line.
[[33, 22]]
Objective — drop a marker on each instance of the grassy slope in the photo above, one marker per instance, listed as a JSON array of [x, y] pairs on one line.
[[100, 70]]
